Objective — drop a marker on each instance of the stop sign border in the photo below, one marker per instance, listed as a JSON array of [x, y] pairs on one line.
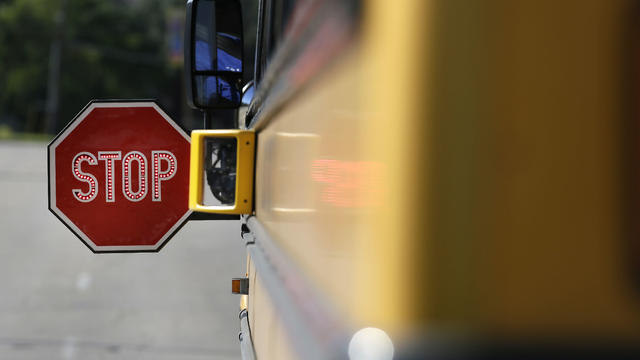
[[93, 104]]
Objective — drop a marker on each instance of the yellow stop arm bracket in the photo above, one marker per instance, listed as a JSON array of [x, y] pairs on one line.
[[245, 154]]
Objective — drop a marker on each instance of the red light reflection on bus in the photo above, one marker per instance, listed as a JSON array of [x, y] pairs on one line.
[[351, 184]]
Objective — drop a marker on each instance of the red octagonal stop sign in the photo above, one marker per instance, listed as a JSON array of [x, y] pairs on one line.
[[119, 176]]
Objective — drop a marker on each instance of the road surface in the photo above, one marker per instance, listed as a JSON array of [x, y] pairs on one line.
[[60, 301]]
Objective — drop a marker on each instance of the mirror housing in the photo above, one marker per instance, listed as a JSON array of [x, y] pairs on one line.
[[221, 171], [213, 54]]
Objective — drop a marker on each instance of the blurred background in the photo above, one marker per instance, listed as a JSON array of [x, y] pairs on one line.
[[57, 299], [56, 56]]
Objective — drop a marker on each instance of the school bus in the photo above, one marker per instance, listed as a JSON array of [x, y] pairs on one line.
[[426, 179]]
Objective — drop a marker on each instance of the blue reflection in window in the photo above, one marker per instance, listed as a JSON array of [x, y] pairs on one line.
[[227, 62], [226, 91], [203, 56], [212, 89], [228, 45], [206, 90]]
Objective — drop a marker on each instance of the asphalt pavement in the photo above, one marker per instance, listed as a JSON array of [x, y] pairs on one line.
[[58, 300]]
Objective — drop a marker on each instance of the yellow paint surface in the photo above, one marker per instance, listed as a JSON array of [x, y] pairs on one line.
[[461, 169]]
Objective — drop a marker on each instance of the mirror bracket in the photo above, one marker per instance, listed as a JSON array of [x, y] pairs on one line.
[[241, 202]]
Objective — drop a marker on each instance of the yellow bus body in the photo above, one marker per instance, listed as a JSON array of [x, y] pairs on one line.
[[458, 170]]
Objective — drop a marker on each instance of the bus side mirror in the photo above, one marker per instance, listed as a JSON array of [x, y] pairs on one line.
[[213, 56]]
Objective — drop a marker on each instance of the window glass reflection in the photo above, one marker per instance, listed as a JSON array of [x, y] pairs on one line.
[[229, 36], [217, 57], [212, 90], [204, 32], [203, 56], [229, 53]]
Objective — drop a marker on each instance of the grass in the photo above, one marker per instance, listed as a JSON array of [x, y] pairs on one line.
[[7, 134]]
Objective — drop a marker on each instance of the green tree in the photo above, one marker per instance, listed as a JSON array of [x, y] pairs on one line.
[[110, 49], [25, 35]]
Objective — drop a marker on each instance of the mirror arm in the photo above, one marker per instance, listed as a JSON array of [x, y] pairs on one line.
[[220, 119]]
